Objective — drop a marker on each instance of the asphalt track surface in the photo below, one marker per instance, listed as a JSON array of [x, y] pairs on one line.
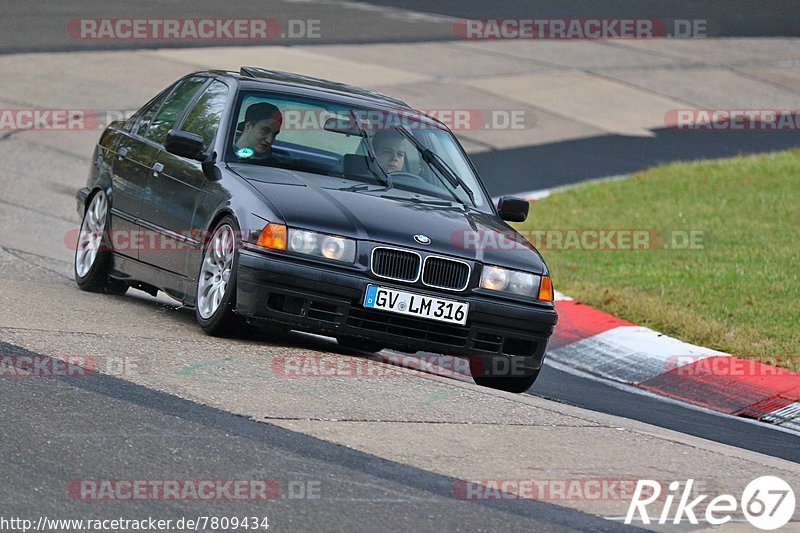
[[733, 18], [62, 430], [39, 25], [563, 163]]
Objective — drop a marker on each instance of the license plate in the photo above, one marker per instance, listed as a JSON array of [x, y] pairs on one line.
[[407, 303]]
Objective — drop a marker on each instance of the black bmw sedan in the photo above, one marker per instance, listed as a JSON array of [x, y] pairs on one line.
[[270, 199]]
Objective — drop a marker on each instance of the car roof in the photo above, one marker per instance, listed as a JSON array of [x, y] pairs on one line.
[[260, 78]]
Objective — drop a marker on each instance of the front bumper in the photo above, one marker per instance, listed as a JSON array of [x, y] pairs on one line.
[[328, 301]]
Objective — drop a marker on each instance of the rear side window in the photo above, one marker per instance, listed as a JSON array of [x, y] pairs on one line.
[[205, 116], [173, 108], [141, 120]]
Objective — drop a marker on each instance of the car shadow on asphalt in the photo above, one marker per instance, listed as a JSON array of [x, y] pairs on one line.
[[420, 363]]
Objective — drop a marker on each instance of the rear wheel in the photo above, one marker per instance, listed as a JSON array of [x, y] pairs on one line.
[[216, 283], [93, 250]]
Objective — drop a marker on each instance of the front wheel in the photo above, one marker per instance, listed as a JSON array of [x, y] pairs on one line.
[[506, 376], [357, 343], [216, 283], [508, 384], [93, 250]]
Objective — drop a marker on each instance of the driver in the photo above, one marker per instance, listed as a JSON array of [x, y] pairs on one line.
[[261, 125], [390, 150]]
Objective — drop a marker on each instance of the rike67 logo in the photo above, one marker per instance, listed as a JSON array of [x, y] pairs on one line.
[[767, 503]]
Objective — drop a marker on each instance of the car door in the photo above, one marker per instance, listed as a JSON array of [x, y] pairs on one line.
[[133, 158], [176, 185]]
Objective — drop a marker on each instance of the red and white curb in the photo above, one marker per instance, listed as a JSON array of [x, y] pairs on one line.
[[601, 344]]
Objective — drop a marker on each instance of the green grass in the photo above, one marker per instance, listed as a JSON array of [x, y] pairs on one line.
[[739, 292]]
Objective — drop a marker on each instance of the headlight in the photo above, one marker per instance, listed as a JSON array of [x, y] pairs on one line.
[[321, 245], [494, 278], [304, 242], [335, 248], [516, 282], [522, 283]]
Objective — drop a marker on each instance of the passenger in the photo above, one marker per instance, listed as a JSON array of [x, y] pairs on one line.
[[390, 150], [262, 123]]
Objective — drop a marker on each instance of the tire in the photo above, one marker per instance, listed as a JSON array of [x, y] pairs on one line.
[[516, 383], [216, 283], [93, 250], [508, 384], [362, 345]]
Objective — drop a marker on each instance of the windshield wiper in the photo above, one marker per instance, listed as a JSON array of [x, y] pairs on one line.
[[435, 160], [361, 187], [414, 200], [385, 179]]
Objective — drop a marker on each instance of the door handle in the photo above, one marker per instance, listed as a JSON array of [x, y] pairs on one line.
[[123, 152], [157, 168]]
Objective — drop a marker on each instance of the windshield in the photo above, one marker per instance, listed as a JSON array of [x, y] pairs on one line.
[[390, 149]]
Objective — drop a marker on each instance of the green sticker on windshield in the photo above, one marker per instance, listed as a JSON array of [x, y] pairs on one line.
[[244, 153]]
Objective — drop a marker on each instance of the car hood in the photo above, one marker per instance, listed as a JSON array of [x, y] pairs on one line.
[[469, 234]]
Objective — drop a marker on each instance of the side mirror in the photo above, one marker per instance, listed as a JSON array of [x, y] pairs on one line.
[[513, 209], [185, 144]]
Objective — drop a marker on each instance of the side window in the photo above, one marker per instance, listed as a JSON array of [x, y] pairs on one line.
[[142, 118], [173, 108], [205, 116]]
